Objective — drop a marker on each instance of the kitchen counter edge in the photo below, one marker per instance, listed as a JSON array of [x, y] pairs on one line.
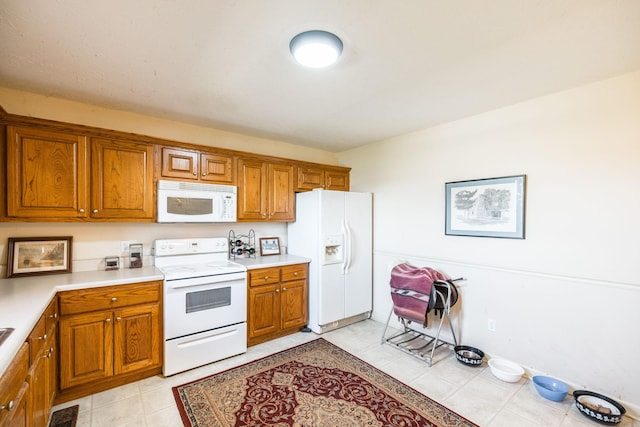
[[271, 261]]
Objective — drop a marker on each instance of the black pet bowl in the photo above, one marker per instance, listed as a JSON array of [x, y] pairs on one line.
[[598, 407], [469, 356]]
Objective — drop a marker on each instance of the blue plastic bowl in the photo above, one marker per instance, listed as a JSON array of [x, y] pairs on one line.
[[550, 388]]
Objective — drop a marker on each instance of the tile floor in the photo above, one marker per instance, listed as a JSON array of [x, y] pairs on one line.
[[472, 392]]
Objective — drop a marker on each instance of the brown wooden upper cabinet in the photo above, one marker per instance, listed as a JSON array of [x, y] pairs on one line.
[[64, 176], [310, 177], [46, 174], [121, 180], [265, 191], [197, 165]]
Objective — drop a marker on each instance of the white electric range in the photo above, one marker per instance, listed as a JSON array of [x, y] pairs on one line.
[[205, 308]]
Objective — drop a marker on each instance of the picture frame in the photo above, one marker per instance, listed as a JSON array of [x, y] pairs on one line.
[[489, 207], [31, 256], [269, 246]]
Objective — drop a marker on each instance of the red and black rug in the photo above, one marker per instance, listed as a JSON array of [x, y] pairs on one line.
[[313, 384]]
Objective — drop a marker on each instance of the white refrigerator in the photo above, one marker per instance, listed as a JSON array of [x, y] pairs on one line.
[[334, 230]]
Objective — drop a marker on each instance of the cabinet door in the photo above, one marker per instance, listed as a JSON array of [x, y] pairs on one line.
[[281, 192], [19, 415], [12, 389], [137, 338], [51, 352], [294, 304], [252, 190], [336, 180], [86, 348], [177, 163], [38, 412], [121, 180], [264, 310], [46, 174], [309, 178], [216, 168]]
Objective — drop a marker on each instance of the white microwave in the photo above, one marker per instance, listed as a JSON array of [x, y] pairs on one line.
[[193, 202]]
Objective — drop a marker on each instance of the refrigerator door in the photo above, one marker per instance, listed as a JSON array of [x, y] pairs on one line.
[[359, 254], [331, 301]]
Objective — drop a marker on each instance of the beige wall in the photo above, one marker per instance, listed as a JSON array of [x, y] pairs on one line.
[[565, 299], [33, 105]]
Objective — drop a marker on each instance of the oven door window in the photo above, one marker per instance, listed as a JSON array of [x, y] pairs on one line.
[[189, 206], [208, 299]]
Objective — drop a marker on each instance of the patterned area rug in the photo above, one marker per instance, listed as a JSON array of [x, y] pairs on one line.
[[313, 384]]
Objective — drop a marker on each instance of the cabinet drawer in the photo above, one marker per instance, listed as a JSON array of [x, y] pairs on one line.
[[37, 339], [14, 376], [109, 297], [294, 272], [264, 276], [51, 315]]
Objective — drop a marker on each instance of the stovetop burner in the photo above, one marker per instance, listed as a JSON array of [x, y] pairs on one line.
[[187, 258]]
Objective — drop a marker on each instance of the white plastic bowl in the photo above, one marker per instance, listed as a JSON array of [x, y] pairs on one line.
[[506, 370]]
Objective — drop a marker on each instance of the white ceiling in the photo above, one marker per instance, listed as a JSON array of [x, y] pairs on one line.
[[407, 64]]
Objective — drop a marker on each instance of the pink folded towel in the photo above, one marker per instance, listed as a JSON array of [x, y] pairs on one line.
[[411, 291]]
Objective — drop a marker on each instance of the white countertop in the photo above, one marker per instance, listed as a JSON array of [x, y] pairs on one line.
[[270, 261], [23, 300]]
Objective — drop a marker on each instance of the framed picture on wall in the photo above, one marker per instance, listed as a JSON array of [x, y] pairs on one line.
[[269, 246], [30, 256], [492, 207]]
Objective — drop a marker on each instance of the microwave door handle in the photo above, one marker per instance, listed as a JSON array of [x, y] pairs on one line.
[[220, 203]]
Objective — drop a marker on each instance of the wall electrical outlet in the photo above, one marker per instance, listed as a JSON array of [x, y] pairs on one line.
[[491, 325], [124, 246]]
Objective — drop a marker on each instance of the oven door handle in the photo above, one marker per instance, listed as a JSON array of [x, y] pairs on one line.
[[207, 339], [209, 280]]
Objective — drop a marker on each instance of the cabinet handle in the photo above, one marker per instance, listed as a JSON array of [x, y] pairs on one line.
[[81, 210], [295, 273], [264, 215], [271, 214], [204, 174], [53, 316], [266, 277], [95, 211], [195, 173], [108, 320], [118, 319], [47, 356], [284, 289], [114, 299], [277, 291], [8, 406], [43, 338]]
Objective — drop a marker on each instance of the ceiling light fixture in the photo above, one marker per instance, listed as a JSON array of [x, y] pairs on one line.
[[316, 48]]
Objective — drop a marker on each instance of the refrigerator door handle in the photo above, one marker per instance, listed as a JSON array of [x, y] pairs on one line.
[[347, 264]]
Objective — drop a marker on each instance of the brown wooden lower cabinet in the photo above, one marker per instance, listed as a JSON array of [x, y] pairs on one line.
[[43, 368], [14, 391], [109, 336], [277, 302]]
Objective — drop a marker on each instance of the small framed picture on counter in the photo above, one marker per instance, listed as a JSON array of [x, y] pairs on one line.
[[30, 256], [269, 246]]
